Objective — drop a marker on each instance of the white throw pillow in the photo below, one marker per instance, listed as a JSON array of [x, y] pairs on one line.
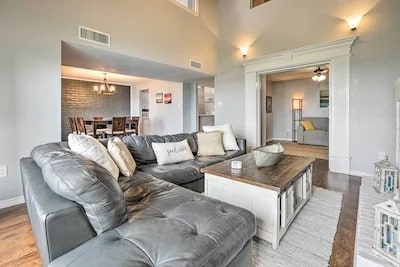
[[210, 144], [173, 152], [121, 155], [92, 149], [228, 138]]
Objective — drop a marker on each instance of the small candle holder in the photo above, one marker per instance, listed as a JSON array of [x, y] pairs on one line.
[[236, 165]]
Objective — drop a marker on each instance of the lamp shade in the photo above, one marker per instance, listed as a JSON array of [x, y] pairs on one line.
[[297, 104]]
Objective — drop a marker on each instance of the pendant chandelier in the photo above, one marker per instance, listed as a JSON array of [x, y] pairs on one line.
[[104, 88], [319, 75]]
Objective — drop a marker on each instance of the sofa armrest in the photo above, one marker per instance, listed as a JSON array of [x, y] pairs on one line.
[[242, 143], [300, 134], [58, 224]]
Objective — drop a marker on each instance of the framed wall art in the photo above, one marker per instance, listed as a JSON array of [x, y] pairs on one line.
[[268, 105], [167, 98], [159, 98], [324, 98]]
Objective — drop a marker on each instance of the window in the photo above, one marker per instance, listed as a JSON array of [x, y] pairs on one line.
[[190, 5], [254, 3]]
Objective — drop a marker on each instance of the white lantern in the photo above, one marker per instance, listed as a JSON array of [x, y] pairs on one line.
[[386, 177], [386, 238]]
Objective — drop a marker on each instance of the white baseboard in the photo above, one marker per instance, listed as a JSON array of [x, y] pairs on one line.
[[280, 139], [11, 202], [361, 174]]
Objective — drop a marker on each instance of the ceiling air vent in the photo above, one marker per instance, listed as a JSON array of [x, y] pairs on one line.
[[196, 64], [93, 36]]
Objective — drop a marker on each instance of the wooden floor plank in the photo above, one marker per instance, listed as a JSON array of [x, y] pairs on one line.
[[17, 244]]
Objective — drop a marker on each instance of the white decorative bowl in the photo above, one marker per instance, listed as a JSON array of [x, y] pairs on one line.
[[268, 155]]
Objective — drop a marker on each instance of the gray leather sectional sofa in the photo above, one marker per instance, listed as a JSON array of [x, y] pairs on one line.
[[162, 224], [186, 174]]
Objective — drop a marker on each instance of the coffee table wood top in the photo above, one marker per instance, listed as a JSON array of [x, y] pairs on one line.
[[276, 177]]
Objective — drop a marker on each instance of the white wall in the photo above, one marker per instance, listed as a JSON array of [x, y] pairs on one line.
[[30, 59], [375, 64], [163, 118], [283, 93]]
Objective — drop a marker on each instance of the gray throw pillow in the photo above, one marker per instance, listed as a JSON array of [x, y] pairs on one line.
[[41, 153], [90, 185], [140, 147]]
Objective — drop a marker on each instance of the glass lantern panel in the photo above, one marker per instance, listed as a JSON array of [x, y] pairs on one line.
[[393, 251], [388, 184], [388, 235]]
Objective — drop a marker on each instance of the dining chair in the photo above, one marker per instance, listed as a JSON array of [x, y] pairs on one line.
[[72, 124], [80, 123], [118, 127], [100, 128], [133, 125]]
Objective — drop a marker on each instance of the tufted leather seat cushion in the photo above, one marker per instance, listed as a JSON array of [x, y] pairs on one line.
[[178, 173], [167, 226], [186, 171]]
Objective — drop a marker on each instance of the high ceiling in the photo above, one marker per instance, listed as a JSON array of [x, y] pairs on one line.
[[90, 58], [302, 73]]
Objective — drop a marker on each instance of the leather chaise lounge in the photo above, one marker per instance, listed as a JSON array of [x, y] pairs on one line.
[[164, 224]]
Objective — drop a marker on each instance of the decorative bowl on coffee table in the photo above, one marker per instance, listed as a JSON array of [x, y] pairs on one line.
[[268, 155]]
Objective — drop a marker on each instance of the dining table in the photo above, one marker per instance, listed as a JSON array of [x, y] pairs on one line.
[[107, 121]]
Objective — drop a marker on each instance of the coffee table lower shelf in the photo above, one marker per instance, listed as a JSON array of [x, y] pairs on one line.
[[274, 210]]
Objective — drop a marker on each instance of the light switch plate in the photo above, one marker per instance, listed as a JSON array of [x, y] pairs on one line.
[[3, 171]]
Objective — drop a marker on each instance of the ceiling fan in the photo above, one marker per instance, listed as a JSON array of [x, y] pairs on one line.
[[319, 74]]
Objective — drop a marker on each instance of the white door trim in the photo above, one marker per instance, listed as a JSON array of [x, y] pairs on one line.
[[337, 53]]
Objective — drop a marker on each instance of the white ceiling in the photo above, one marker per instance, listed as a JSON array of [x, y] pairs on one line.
[[302, 73], [97, 76], [90, 58]]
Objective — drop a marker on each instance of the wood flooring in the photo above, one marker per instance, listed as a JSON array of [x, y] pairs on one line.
[[295, 149], [17, 245]]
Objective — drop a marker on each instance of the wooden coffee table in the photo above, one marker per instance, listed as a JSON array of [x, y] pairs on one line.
[[274, 194]]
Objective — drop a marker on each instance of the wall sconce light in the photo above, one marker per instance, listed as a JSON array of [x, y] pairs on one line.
[[354, 22], [244, 50]]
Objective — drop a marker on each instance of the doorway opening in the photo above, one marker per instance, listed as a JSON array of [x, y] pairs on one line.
[[337, 53], [205, 106], [144, 110], [291, 100]]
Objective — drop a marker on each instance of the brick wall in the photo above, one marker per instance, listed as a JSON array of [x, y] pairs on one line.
[[79, 100]]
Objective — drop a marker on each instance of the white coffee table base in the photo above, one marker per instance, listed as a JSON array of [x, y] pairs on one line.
[[274, 210]]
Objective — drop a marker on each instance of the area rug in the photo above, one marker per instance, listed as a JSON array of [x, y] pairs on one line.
[[308, 242]]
